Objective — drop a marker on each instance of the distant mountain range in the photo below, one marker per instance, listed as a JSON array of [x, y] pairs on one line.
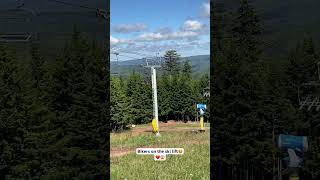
[[200, 65], [284, 23]]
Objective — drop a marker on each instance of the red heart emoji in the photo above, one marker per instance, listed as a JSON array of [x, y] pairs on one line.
[[157, 156]]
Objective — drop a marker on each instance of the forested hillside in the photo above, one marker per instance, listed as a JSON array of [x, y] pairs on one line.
[[178, 93], [284, 22], [254, 95], [53, 114], [200, 65]]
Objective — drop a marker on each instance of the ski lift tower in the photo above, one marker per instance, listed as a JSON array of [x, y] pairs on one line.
[[117, 62], [117, 54], [309, 93], [153, 65]]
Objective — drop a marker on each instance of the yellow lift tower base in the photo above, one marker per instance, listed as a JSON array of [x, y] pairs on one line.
[[294, 177], [154, 126], [201, 124]]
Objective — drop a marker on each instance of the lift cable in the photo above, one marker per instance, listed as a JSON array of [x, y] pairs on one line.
[[100, 12], [72, 4]]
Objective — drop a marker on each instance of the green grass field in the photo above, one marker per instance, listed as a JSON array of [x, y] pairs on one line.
[[193, 164]]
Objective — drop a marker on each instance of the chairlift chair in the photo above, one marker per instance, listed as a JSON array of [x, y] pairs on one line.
[[10, 18], [15, 37], [309, 94], [153, 61]]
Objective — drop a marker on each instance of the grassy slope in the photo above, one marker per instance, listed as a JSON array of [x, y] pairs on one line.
[[194, 164]]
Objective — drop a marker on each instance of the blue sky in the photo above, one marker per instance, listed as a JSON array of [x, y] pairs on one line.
[[142, 28]]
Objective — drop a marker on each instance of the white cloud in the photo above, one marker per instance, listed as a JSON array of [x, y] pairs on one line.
[[184, 34], [189, 30], [128, 28], [164, 30], [186, 38], [113, 40], [157, 36], [152, 37], [191, 25], [205, 10], [116, 41]]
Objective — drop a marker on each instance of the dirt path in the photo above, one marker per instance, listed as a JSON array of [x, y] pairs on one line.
[[165, 127], [117, 152]]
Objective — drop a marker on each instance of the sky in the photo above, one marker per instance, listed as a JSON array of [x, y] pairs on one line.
[[140, 28]]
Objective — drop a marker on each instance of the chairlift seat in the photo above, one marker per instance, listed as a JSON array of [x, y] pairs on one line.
[[15, 37], [309, 95]]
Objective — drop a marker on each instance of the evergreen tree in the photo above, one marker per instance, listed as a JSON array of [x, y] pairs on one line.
[[164, 98], [38, 117], [140, 99], [238, 91], [187, 70], [37, 65], [171, 64], [120, 106], [14, 106], [77, 98], [187, 93], [246, 32], [302, 67]]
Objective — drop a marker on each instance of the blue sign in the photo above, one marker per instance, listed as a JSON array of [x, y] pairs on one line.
[[201, 112], [297, 143], [294, 147], [201, 106]]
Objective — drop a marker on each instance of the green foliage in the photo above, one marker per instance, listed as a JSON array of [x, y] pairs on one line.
[[139, 94], [255, 99], [200, 65], [171, 64], [302, 66], [14, 105], [53, 117], [120, 106], [246, 32], [79, 93], [131, 97]]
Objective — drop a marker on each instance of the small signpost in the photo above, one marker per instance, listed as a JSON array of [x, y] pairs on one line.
[[299, 143], [294, 147], [202, 108]]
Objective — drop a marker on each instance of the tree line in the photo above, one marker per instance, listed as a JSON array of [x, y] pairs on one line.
[[254, 98], [178, 93], [54, 114]]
